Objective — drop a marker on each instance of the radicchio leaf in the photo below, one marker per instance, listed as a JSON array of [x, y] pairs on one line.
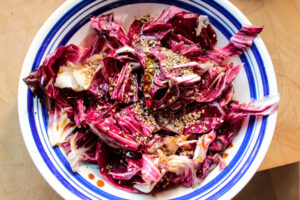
[[150, 174], [240, 41], [153, 106], [111, 134], [183, 167], [133, 167], [41, 81], [168, 14], [59, 126], [126, 86], [113, 34], [263, 107], [207, 165], [197, 120], [102, 160], [126, 129], [225, 134], [202, 146], [220, 84], [82, 148]]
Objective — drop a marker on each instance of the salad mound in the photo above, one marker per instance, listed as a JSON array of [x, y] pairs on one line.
[[152, 106]]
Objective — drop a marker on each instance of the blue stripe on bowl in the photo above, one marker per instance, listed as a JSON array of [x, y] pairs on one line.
[[39, 145], [67, 165], [184, 5], [219, 26], [214, 22], [253, 154]]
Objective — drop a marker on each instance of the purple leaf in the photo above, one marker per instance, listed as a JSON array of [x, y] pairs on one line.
[[113, 34], [240, 41], [102, 160], [82, 148], [133, 167]]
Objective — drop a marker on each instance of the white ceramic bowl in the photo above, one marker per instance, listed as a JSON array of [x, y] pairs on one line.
[[70, 23]]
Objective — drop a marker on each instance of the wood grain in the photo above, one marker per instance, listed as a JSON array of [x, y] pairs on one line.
[[19, 22], [281, 36]]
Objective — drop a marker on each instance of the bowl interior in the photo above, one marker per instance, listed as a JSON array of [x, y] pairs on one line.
[[72, 27]]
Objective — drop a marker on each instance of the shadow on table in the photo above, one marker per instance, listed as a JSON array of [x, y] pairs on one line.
[[281, 183]]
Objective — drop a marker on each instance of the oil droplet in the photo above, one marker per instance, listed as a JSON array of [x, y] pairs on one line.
[[224, 155], [210, 137], [100, 183], [203, 144], [91, 176], [230, 146]]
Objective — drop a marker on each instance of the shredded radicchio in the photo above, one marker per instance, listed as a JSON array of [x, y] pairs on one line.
[[151, 106]]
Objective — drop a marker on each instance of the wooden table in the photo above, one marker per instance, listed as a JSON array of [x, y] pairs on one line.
[[19, 22]]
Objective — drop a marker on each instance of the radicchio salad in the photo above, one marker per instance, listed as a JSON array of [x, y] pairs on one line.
[[151, 106]]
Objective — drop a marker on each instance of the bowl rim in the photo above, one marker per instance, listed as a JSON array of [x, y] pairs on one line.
[[33, 151]]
